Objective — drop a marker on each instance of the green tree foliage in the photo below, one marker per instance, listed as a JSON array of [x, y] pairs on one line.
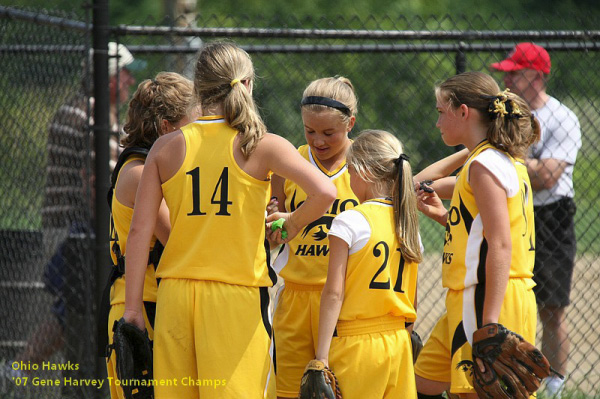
[[545, 14], [395, 89]]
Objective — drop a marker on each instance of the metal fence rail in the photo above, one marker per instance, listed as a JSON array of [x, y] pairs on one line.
[[393, 71]]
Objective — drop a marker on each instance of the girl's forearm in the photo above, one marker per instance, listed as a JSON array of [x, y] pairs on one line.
[[135, 268], [444, 167], [497, 275], [331, 304]]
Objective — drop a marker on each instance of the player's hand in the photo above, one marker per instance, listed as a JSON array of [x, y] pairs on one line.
[[424, 185], [431, 205], [272, 207], [136, 318], [288, 225]]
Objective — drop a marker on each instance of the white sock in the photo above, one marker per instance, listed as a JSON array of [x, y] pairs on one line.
[[554, 385]]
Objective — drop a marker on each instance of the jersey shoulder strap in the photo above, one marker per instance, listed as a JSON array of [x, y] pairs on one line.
[[129, 151], [155, 254]]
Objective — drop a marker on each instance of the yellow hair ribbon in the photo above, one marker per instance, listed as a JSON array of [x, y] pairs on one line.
[[234, 82], [503, 93], [515, 108], [499, 107]]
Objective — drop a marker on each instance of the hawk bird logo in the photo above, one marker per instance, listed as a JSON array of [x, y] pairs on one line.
[[320, 223]]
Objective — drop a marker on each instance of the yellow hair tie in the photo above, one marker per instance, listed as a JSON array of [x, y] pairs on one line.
[[499, 107], [233, 82], [503, 93]]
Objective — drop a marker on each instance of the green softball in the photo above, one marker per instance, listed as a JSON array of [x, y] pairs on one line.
[[278, 224]]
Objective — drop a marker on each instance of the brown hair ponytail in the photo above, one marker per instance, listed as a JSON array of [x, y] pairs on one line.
[[508, 118]]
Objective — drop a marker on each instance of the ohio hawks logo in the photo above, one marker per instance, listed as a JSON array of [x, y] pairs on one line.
[[319, 228], [319, 224]]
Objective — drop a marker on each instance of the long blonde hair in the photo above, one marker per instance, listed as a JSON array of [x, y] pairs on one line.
[[168, 96], [377, 155], [221, 70], [509, 132]]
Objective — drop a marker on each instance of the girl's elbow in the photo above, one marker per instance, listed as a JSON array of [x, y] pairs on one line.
[[332, 295], [138, 235], [329, 193], [503, 247], [503, 250], [134, 231]]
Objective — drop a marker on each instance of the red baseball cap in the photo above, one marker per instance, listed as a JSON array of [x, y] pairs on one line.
[[525, 56]]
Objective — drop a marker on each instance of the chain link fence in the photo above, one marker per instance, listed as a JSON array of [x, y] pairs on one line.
[[46, 235], [46, 223]]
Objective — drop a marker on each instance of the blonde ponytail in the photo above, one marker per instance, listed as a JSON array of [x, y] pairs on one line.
[[225, 75], [241, 114], [378, 158], [406, 213]]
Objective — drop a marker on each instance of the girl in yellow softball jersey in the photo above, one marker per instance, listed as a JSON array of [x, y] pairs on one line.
[[371, 286], [159, 106], [488, 257], [211, 336], [329, 107]]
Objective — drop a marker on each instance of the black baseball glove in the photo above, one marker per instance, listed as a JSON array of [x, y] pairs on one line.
[[318, 382], [133, 352], [417, 344], [514, 368]]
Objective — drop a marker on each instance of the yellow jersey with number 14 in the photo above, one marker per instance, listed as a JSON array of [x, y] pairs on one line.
[[465, 246], [217, 212]]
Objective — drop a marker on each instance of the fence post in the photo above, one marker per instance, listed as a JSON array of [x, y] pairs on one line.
[[461, 66], [100, 37]]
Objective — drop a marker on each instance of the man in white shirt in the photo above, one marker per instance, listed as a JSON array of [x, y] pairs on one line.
[[550, 167]]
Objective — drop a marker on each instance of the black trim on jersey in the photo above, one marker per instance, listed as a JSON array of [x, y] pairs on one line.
[[465, 215], [150, 312], [274, 354], [314, 160], [143, 151], [458, 339], [293, 202], [265, 299], [477, 147], [480, 287], [272, 274]]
